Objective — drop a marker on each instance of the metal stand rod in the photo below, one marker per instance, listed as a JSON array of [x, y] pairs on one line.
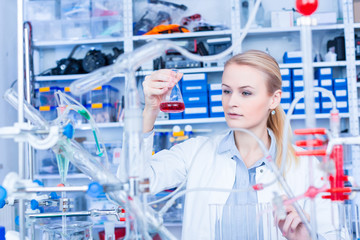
[[306, 43], [20, 84], [54, 189], [28, 97], [93, 213]]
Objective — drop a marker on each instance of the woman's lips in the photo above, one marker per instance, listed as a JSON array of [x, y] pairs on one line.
[[234, 115]]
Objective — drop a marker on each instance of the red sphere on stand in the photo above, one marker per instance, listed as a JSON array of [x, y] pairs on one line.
[[306, 7]]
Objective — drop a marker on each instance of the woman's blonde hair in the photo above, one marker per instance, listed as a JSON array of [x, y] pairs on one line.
[[268, 65]]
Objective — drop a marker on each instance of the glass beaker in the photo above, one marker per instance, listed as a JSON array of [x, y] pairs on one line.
[[243, 221], [173, 102], [78, 230]]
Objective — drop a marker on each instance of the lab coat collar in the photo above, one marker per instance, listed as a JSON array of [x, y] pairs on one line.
[[227, 144]]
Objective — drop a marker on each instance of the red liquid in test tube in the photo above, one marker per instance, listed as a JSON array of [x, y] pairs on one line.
[[172, 107]]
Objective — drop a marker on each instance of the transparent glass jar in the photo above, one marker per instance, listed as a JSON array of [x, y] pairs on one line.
[[78, 230]]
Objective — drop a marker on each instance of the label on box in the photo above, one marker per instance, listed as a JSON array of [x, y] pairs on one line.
[[217, 109], [285, 105], [325, 71], [44, 89], [193, 88], [327, 104], [215, 98], [284, 71], [340, 93], [340, 80], [294, 54], [286, 95], [341, 104], [326, 82], [298, 72], [316, 83], [190, 77], [194, 99], [286, 83], [215, 86], [300, 106], [195, 110], [297, 93], [298, 83], [217, 40]]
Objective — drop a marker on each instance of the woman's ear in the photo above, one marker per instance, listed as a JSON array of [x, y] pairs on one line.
[[275, 99]]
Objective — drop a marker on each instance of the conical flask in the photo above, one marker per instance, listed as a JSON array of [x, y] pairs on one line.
[[173, 102]]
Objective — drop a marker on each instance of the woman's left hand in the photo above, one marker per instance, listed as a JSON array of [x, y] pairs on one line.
[[292, 227]]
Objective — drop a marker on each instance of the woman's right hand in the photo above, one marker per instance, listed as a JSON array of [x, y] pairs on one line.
[[157, 85]]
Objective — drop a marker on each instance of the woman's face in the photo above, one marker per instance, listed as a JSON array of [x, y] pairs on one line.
[[245, 98]]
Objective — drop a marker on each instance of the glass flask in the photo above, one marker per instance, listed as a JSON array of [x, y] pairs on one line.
[[77, 230], [173, 102], [253, 221]]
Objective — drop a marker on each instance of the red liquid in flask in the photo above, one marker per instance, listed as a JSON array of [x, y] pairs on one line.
[[172, 107]]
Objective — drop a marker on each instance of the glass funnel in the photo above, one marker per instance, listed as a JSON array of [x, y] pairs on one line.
[[78, 230], [172, 101]]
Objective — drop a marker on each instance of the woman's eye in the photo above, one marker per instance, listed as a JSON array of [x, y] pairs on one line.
[[246, 93], [226, 91]]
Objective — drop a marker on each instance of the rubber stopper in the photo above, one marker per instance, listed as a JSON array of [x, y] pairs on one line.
[[68, 131], [95, 189], [3, 193], [34, 204]]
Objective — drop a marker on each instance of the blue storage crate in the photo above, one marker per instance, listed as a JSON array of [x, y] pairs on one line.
[[102, 112], [297, 74], [326, 104], [67, 91], [45, 96], [190, 77], [102, 94], [194, 87], [173, 116], [196, 112], [48, 112], [340, 83], [292, 57], [215, 88], [285, 106], [286, 84], [195, 98], [342, 106], [286, 97], [324, 73], [341, 94], [285, 74], [215, 99], [326, 83], [216, 111]]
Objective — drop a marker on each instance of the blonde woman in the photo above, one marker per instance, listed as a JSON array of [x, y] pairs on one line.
[[251, 94]]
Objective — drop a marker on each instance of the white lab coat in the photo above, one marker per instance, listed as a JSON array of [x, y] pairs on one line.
[[212, 170]]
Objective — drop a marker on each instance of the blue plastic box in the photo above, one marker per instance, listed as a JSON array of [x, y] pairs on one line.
[[292, 57], [189, 77], [285, 74], [102, 94], [327, 83], [215, 88], [173, 116], [215, 99], [286, 97], [324, 73], [297, 74], [196, 112], [216, 111], [102, 112], [342, 106], [194, 87], [48, 112], [45, 96], [341, 94], [340, 83], [195, 98], [67, 91]]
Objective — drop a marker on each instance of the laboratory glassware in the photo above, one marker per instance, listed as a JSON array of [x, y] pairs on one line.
[[242, 221], [172, 101], [78, 230]]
